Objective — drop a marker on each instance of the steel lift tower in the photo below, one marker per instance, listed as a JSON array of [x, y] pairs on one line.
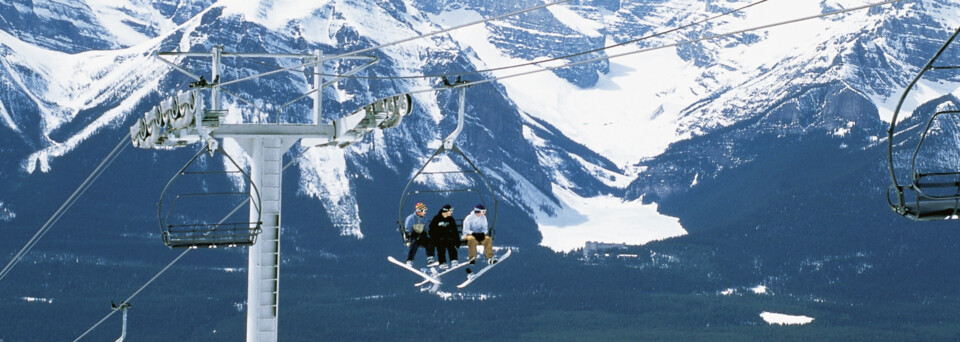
[[184, 120]]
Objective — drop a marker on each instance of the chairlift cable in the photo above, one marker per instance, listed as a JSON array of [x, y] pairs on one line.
[[691, 41], [181, 255], [608, 57], [152, 279], [135, 293], [653, 35], [352, 53], [467, 84], [67, 204], [481, 21]]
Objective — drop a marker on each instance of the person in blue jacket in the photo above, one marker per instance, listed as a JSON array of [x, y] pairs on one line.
[[418, 235]]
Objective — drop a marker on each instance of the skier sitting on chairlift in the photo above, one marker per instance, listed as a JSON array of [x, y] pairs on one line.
[[443, 231], [418, 235], [475, 232]]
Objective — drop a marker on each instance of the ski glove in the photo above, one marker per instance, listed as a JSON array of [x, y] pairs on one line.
[[479, 236]]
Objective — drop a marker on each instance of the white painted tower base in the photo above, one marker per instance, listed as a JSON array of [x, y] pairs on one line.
[[263, 266]]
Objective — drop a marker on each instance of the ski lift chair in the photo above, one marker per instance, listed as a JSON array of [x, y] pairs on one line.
[[930, 195], [191, 218], [449, 148]]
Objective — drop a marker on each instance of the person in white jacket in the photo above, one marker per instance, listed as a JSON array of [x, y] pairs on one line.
[[475, 231]]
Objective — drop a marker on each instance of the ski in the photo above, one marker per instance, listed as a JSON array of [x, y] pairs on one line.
[[472, 277], [451, 269], [414, 270]]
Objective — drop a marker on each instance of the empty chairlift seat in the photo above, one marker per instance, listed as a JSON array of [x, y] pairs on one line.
[[933, 189], [930, 195], [204, 204], [917, 204]]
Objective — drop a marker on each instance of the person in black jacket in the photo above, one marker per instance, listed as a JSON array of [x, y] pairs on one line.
[[443, 231]]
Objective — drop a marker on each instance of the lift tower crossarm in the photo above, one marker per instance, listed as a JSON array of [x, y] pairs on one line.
[[300, 131]]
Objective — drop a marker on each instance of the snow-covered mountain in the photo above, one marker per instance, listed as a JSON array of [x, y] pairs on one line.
[[845, 86], [765, 148], [576, 129]]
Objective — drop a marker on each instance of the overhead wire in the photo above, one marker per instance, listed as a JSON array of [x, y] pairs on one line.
[[608, 57], [539, 62], [126, 139], [180, 256], [481, 21], [376, 47], [691, 41], [656, 34], [134, 294], [66, 205]]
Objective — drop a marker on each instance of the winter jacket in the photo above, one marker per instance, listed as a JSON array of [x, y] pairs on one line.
[[444, 230], [474, 224], [410, 224]]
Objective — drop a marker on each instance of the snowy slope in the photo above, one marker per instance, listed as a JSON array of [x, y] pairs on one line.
[[66, 97], [556, 144], [767, 148], [67, 88]]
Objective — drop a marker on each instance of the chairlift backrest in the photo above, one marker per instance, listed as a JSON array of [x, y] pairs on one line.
[[928, 195], [192, 215]]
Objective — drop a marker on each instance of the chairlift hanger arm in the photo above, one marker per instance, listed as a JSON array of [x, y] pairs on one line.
[[463, 85], [896, 113]]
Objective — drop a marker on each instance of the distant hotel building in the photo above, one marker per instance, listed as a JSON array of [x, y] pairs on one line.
[[593, 249]]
